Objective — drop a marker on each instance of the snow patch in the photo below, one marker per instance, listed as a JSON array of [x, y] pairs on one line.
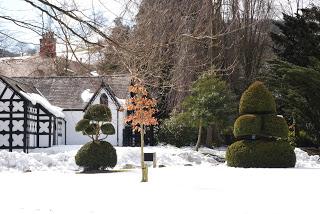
[[61, 158], [94, 73], [37, 98], [86, 95], [306, 161]]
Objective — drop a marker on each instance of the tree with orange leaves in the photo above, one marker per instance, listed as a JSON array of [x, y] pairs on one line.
[[143, 109]]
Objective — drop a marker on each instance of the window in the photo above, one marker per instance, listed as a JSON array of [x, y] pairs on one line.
[[104, 99]]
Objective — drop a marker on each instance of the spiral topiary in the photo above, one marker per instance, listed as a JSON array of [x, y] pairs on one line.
[[262, 135]]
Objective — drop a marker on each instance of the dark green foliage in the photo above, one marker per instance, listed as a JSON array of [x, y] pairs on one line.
[[260, 154], [299, 38], [247, 124], [275, 126], [297, 81], [108, 129], [257, 99], [297, 90], [96, 122], [82, 125], [96, 155], [210, 104], [98, 112], [304, 140], [265, 150], [92, 129], [177, 133], [211, 100]]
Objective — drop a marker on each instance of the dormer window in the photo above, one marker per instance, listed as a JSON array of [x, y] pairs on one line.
[[104, 99]]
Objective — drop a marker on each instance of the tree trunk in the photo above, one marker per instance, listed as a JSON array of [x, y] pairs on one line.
[[209, 140], [217, 140], [143, 166], [199, 136]]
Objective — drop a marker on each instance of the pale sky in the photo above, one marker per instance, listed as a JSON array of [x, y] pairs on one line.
[[22, 10], [110, 9]]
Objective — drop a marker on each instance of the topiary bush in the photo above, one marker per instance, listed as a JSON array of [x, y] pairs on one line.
[[257, 99], [248, 124], [275, 126], [261, 154], [98, 112], [262, 135], [108, 129], [96, 155]]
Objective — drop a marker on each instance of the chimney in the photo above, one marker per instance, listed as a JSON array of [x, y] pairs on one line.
[[48, 45]]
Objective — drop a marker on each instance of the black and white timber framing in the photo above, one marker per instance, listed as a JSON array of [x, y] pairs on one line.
[[24, 125]]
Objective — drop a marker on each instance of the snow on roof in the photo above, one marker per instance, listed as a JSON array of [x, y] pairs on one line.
[[15, 58], [86, 95], [37, 98], [121, 101], [94, 73], [68, 89]]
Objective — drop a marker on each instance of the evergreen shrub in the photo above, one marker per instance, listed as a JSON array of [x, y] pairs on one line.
[[270, 147], [174, 132], [247, 124], [257, 99], [96, 155], [98, 112], [261, 154], [275, 126]]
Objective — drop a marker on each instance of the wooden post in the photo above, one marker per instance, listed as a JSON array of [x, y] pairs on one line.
[[144, 167], [199, 136], [154, 160]]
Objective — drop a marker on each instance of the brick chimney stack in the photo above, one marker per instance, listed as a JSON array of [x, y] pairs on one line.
[[48, 45]]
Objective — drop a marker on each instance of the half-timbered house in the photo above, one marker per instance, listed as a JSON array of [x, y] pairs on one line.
[[43, 111]]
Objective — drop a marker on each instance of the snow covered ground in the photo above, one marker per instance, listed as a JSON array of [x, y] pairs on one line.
[[54, 187]]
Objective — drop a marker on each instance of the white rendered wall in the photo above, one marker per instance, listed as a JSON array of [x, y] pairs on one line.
[[76, 138], [73, 137]]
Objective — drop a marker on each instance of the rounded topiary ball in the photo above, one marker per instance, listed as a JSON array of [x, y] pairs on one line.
[[92, 129], [82, 125], [96, 155], [247, 124], [257, 99], [275, 126], [108, 129], [98, 112], [261, 154]]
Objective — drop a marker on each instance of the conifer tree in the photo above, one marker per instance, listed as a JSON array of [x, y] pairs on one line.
[[299, 38]]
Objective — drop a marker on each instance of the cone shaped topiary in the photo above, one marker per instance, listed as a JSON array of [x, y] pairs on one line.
[[257, 99], [262, 135]]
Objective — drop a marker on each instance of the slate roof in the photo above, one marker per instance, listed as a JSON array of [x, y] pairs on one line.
[[65, 92], [18, 86]]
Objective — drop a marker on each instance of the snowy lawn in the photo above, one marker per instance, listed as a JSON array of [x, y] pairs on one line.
[[54, 187]]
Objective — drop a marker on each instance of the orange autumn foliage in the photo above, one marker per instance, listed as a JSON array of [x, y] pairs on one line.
[[143, 108]]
